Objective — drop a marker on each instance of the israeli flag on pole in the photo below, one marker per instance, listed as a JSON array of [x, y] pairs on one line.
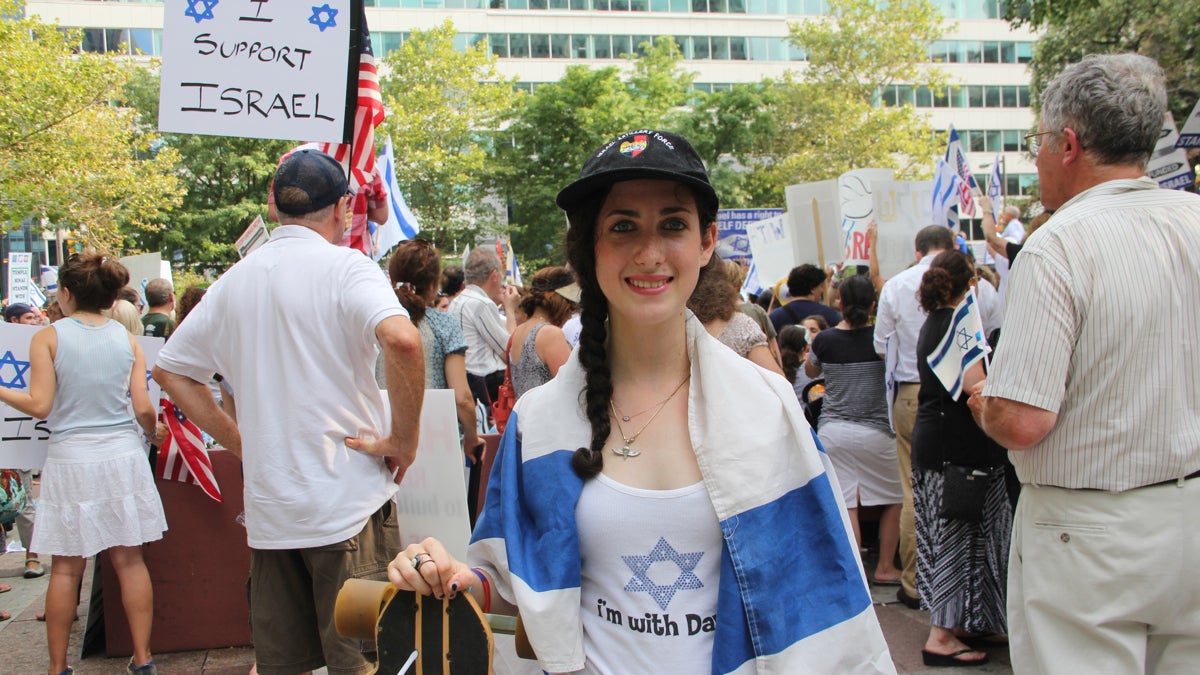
[[512, 272], [956, 157], [401, 224], [751, 285], [945, 193], [36, 297], [996, 189], [961, 346]]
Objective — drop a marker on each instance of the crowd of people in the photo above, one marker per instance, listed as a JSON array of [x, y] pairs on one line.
[[660, 419]]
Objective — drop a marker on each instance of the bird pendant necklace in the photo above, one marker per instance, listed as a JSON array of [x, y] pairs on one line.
[[626, 450]]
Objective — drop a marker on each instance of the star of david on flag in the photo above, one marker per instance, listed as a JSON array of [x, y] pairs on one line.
[[183, 456], [961, 346]]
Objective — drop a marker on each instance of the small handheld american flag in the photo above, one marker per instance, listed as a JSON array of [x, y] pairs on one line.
[[183, 456]]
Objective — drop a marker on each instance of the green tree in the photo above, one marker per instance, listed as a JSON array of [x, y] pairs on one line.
[[830, 115], [67, 153], [561, 122], [442, 106], [226, 181], [1167, 32]]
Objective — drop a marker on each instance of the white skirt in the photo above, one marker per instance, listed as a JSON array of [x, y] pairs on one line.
[[864, 459], [97, 492]]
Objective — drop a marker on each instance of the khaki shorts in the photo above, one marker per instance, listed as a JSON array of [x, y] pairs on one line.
[[293, 591]]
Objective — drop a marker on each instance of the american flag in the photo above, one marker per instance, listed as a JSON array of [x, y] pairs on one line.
[[956, 157], [358, 156], [182, 456]]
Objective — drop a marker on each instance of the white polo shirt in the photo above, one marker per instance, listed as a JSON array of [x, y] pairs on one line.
[[292, 328]]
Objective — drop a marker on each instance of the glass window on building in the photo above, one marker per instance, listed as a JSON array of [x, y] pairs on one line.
[[621, 46], [976, 141], [499, 44], [974, 96], [720, 48], [816, 7], [924, 97], [639, 5], [1009, 96], [539, 45], [991, 52], [888, 96], [660, 5], [958, 97], [1012, 140], [146, 41], [700, 47], [579, 47], [1008, 52], [560, 46], [991, 97], [906, 95], [602, 45], [718, 6], [685, 45], [941, 99], [539, 4], [1024, 52], [600, 5], [619, 5], [738, 50], [995, 140], [737, 6], [518, 45], [937, 51], [681, 6], [1023, 96], [795, 53]]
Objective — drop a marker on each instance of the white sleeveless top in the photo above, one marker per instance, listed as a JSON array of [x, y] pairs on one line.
[[651, 564], [91, 368]]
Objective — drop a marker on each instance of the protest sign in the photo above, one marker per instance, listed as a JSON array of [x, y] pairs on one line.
[[858, 208], [19, 275], [1189, 135], [433, 499], [24, 439], [259, 69], [255, 235], [771, 245], [814, 216], [142, 268], [1168, 164], [732, 242], [901, 209]]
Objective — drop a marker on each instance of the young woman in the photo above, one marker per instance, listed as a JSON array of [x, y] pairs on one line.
[[962, 566], [415, 270], [854, 419], [697, 527], [97, 490]]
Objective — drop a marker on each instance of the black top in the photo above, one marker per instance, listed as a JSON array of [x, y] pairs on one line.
[[944, 430], [855, 389], [1011, 250], [797, 310]]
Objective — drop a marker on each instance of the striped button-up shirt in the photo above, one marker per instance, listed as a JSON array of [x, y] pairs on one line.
[[1102, 326]]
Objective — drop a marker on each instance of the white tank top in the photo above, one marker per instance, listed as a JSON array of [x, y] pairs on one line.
[[651, 563]]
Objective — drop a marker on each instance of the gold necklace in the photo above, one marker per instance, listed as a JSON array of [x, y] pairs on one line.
[[626, 418], [625, 451]]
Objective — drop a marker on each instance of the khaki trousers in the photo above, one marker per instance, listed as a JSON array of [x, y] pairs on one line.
[[904, 414], [1105, 582]]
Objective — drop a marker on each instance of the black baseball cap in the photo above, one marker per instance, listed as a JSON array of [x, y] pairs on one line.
[[317, 179], [655, 155]]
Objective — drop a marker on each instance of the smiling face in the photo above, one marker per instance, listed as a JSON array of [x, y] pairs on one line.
[[650, 246]]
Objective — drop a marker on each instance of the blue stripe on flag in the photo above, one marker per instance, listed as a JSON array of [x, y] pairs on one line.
[[541, 538], [834, 591], [961, 314], [389, 177]]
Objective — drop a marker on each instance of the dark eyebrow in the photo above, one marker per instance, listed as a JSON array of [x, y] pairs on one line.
[[664, 212]]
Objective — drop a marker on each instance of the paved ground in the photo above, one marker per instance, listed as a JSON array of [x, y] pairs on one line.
[[23, 639]]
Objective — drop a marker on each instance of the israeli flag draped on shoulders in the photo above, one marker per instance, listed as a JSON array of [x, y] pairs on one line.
[[961, 347], [792, 596]]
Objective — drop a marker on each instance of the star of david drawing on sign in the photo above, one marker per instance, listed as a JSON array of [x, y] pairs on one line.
[[663, 552], [194, 9], [17, 381], [327, 21]]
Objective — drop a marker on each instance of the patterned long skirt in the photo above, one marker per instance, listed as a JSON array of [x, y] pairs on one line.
[[962, 567]]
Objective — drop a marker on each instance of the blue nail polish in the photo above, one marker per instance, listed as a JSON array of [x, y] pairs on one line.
[[454, 586]]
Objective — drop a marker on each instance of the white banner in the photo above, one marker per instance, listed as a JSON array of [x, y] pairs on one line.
[[815, 217], [858, 209], [432, 501], [771, 245], [23, 439], [256, 69], [902, 208], [19, 276]]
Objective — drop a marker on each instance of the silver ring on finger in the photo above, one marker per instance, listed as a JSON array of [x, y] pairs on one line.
[[420, 559]]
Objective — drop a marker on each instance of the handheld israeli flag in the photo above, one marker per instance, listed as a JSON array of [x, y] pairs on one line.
[[956, 157], [50, 278], [945, 193], [961, 346], [751, 285], [512, 273], [996, 189], [36, 297], [401, 224]]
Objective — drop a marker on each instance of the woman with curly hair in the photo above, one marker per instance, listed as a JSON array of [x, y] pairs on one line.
[[539, 347], [646, 505]]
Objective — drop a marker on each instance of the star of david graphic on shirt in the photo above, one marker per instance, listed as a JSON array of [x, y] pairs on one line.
[[663, 552]]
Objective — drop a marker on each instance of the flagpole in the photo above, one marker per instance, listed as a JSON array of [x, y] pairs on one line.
[[1004, 173]]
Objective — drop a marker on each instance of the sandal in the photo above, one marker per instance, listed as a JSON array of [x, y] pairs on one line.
[[33, 572], [4, 588], [4, 616], [939, 660]]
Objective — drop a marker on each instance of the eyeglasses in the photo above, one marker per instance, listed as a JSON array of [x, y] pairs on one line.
[[1034, 142]]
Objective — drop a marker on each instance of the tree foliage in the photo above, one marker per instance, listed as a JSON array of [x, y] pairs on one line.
[[442, 106], [227, 179], [1167, 32], [67, 153]]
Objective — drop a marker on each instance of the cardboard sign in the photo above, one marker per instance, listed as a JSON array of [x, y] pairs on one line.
[[259, 69], [901, 209], [858, 208], [23, 439], [732, 242], [1169, 164], [771, 244], [143, 268], [815, 217], [1189, 136], [255, 235], [19, 276], [432, 501]]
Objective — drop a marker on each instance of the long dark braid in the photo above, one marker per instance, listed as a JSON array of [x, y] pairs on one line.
[[593, 354]]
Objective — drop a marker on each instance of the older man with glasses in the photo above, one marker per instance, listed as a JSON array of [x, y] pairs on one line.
[[1103, 425]]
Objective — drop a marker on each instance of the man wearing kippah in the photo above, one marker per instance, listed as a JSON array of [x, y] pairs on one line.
[[320, 461], [1103, 426]]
